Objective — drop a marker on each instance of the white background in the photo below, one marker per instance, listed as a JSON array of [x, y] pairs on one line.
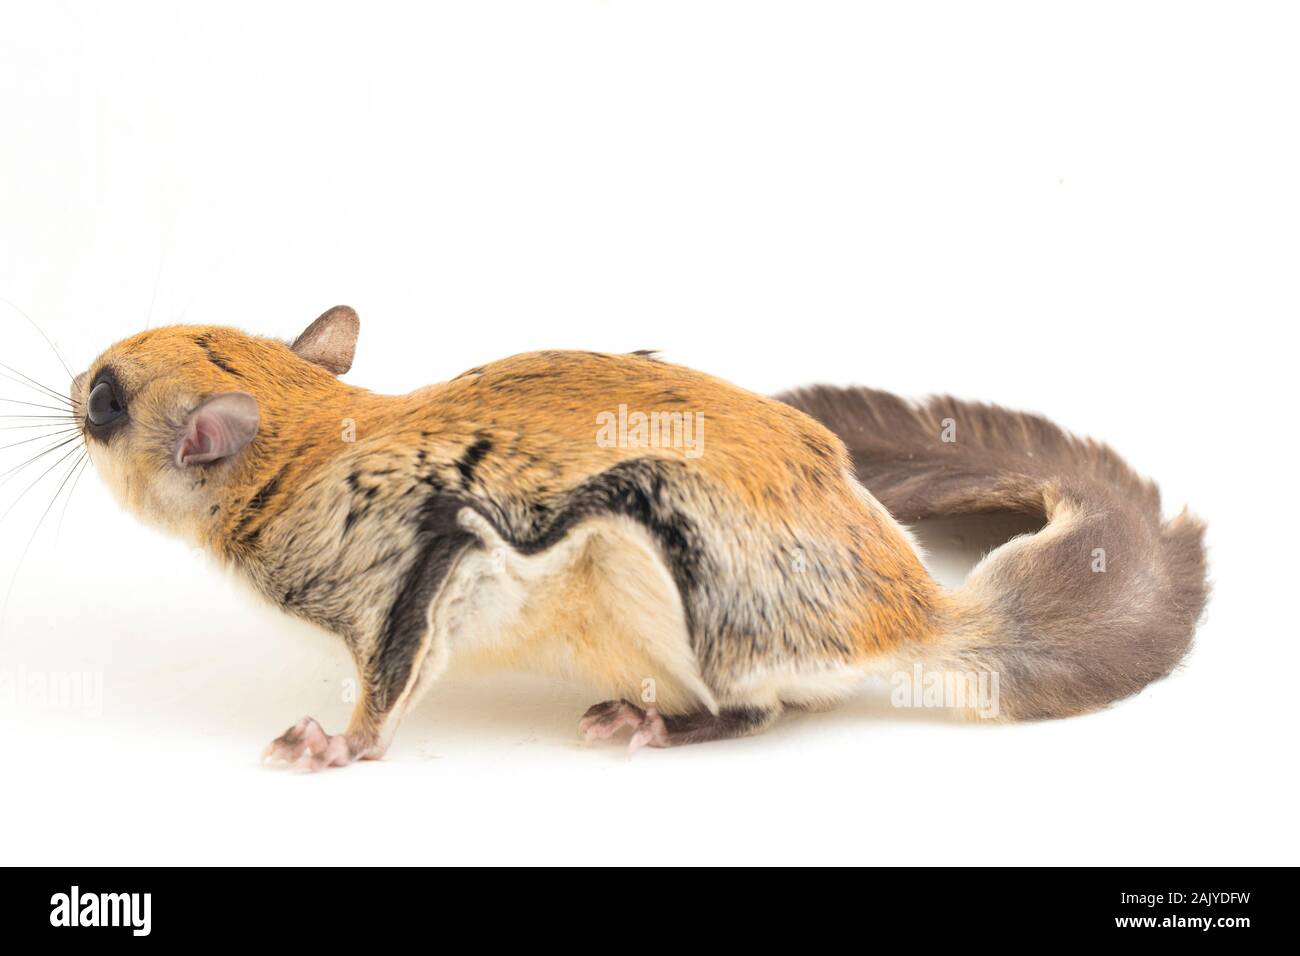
[[1091, 211]]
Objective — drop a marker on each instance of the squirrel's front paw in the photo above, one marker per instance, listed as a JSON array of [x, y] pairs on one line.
[[306, 746]]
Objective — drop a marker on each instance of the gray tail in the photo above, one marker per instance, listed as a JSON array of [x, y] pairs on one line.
[[1090, 609]]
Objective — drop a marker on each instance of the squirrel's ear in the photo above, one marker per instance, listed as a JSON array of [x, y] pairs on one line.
[[220, 427], [331, 340]]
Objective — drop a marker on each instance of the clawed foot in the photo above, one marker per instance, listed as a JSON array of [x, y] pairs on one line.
[[306, 746], [607, 719]]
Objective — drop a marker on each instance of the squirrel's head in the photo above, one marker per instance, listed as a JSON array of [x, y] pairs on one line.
[[175, 416]]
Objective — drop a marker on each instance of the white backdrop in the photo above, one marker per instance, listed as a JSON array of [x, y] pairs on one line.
[[1084, 210]]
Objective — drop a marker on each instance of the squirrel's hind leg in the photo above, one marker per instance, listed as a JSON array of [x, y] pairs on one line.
[[652, 729]]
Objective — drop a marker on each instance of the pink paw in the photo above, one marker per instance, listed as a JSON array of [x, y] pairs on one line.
[[306, 746], [607, 719]]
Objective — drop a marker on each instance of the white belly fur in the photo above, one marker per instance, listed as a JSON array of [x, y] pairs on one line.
[[602, 607], [599, 606]]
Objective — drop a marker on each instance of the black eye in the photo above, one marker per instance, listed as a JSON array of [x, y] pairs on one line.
[[104, 407]]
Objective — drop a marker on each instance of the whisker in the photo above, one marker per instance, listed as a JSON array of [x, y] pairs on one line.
[[66, 431], [14, 428], [48, 341], [81, 464], [13, 472], [59, 418], [57, 492], [14, 503], [18, 401], [32, 383], [76, 463], [38, 393]]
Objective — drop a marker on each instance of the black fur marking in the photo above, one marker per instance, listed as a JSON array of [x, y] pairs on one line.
[[440, 541], [819, 448], [222, 364], [470, 459], [636, 489], [258, 502], [267, 491], [204, 343], [703, 727], [359, 511]]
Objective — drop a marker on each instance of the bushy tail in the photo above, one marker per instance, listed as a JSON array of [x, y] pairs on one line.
[[1093, 607]]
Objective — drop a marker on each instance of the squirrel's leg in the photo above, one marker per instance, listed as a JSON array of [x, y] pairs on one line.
[[396, 664], [306, 745], [652, 729], [393, 675]]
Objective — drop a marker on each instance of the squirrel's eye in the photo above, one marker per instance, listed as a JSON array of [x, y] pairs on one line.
[[103, 407]]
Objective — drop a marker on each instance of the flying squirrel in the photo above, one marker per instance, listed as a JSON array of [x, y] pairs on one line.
[[703, 586]]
